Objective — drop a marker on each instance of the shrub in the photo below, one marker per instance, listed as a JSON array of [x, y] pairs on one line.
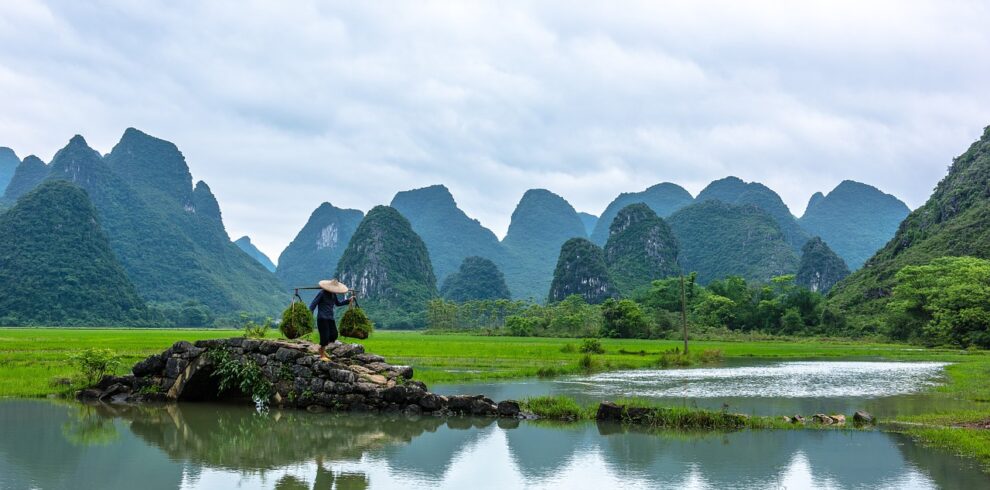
[[297, 321], [590, 364], [673, 358], [568, 348], [710, 356], [356, 324], [95, 363], [253, 330], [519, 326], [244, 375], [592, 346]]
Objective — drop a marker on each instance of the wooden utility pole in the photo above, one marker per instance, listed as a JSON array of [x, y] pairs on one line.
[[684, 314]]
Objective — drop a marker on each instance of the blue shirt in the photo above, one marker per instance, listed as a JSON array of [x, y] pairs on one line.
[[325, 302]]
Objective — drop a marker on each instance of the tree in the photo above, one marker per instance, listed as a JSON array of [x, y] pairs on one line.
[[624, 319], [944, 302]]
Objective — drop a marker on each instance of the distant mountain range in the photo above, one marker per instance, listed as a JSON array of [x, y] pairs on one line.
[[167, 234], [169, 237], [244, 243]]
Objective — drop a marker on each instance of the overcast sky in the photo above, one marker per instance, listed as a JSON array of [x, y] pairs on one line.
[[280, 106]]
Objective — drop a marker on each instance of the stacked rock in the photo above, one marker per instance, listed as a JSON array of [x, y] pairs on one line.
[[352, 380]]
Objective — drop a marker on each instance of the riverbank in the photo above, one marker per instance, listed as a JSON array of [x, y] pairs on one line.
[[30, 359]]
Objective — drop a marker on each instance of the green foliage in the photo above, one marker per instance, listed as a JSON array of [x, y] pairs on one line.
[[732, 190], [244, 375], [944, 302], [572, 317], [391, 267], [556, 408], [356, 324], [589, 364], [820, 267], [314, 253], [255, 330], [581, 271], [94, 363], [954, 222], [56, 265], [624, 319], [855, 220], [664, 199], [297, 320], [450, 235], [569, 348], [541, 223], [518, 326], [715, 311], [640, 249], [591, 346], [719, 240], [477, 279]]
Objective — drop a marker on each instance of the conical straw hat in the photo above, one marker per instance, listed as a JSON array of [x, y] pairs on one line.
[[334, 286]]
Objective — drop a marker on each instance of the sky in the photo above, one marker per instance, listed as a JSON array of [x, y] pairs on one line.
[[280, 106]]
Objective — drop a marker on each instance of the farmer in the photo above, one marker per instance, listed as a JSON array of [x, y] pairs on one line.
[[324, 302]]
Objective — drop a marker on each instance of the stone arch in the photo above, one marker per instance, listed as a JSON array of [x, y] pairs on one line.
[[196, 383]]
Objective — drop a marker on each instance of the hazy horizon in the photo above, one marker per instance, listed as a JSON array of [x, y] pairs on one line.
[[282, 107]]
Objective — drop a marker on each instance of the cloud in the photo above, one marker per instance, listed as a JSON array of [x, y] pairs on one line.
[[280, 106]]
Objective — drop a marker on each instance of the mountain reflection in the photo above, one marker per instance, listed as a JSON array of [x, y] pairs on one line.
[[67, 445]]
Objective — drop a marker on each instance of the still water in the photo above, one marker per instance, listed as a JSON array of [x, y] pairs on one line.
[[66, 445], [751, 386]]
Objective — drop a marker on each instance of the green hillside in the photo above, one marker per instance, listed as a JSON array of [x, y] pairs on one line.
[[718, 240], [954, 222], [855, 220], [581, 270], [56, 265], [26, 177], [477, 279], [640, 249], [664, 199], [732, 190], [314, 253], [541, 223], [174, 252], [589, 220], [450, 235], [390, 266], [8, 164], [244, 243], [820, 268]]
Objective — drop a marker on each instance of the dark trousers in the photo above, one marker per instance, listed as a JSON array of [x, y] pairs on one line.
[[328, 330]]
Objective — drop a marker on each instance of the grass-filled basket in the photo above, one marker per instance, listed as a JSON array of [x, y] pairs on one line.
[[296, 320], [355, 324]]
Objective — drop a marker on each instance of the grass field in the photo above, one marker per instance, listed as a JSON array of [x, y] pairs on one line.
[[31, 358]]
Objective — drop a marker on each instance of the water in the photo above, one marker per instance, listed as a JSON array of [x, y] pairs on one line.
[[751, 386], [67, 445]]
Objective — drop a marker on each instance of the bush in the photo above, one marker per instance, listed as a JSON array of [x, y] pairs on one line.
[[519, 326], [254, 330], [568, 348], [592, 346], [356, 324], [95, 363], [589, 364], [673, 358], [624, 319], [297, 321]]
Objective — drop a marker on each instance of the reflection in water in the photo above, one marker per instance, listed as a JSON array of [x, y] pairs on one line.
[[752, 386], [216, 446]]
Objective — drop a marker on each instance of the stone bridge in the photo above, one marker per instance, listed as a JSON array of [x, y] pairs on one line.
[[352, 380]]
